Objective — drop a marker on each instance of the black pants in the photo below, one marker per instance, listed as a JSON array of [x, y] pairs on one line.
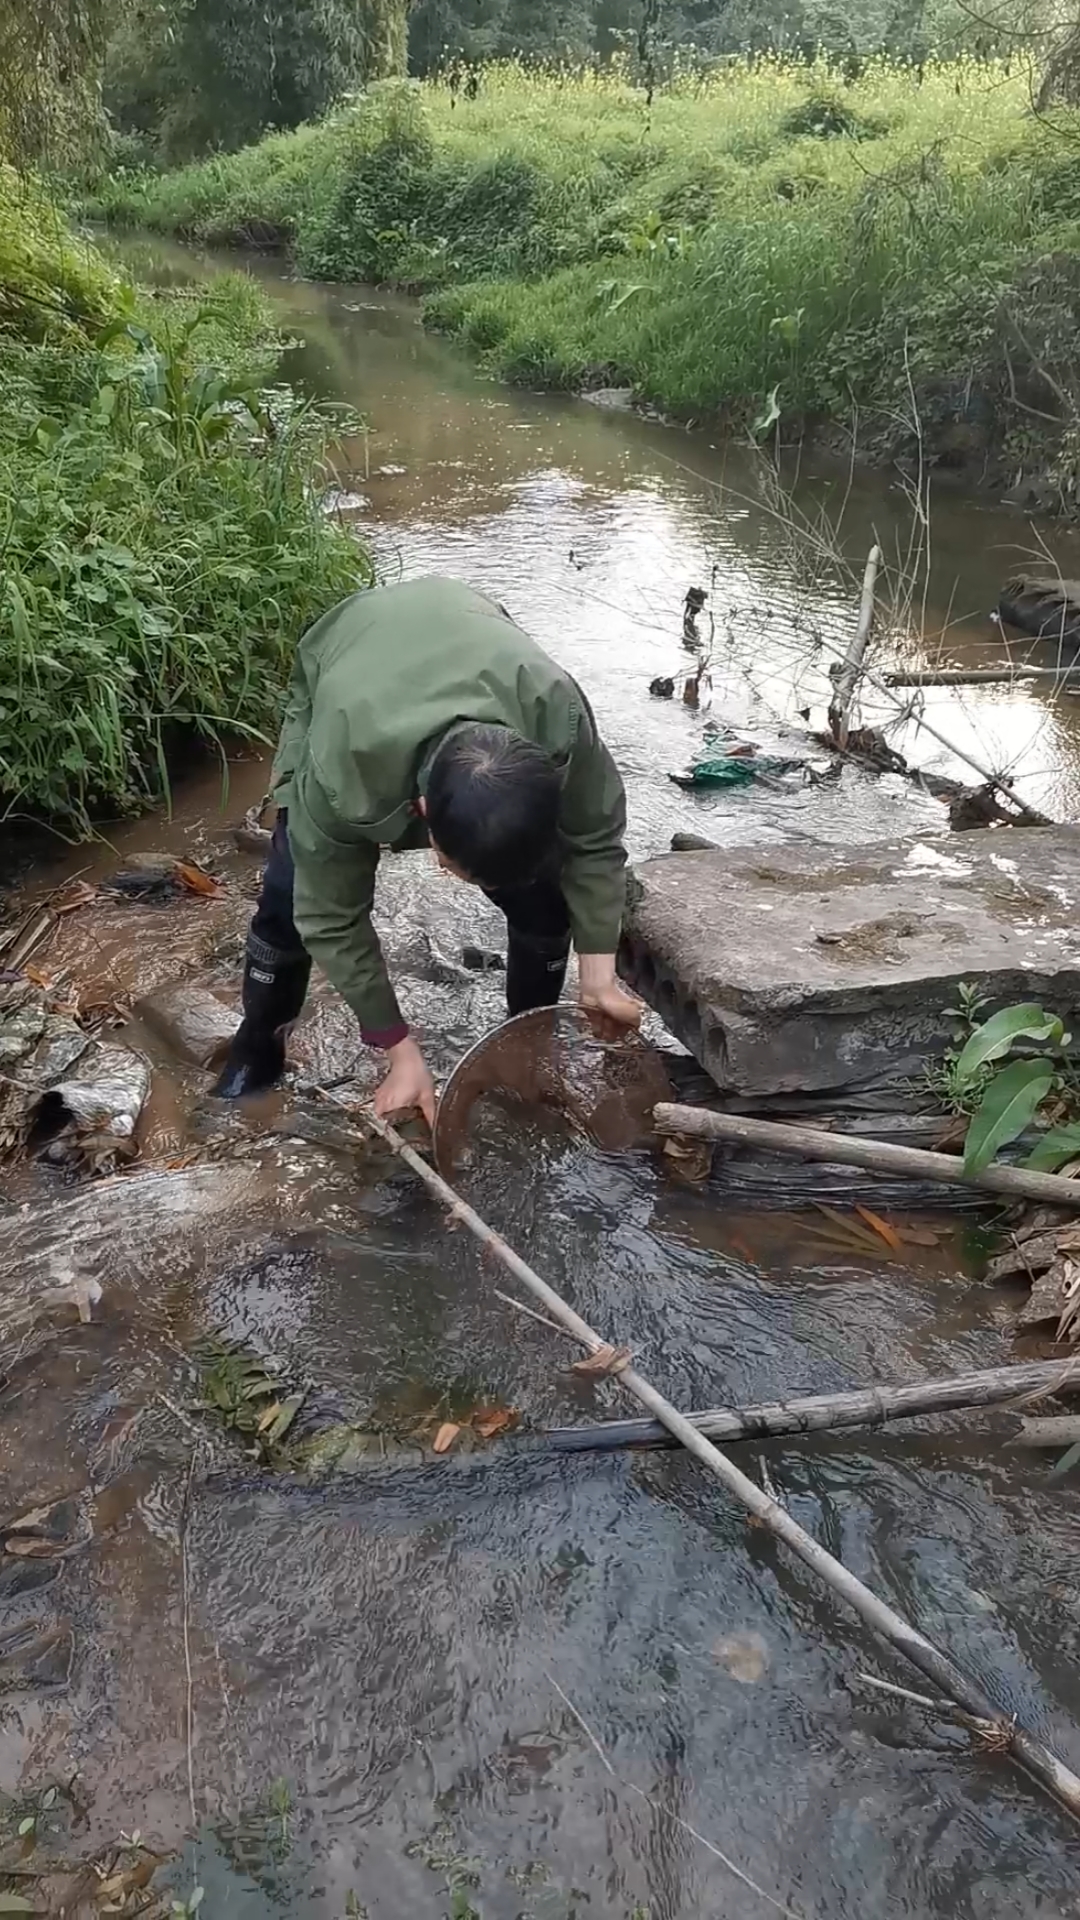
[[538, 926]]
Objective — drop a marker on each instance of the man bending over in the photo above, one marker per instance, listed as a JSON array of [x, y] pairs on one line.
[[420, 714]]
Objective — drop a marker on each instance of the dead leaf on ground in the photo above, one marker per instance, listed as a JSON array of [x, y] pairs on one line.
[[81, 895], [31, 1521], [919, 1237], [692, 1158], [605, 1361], [195, 880], [446, 1436], [745, 1656], [27, 1546], [1047, 1300], [119, 1886], [880, 1226], [859, 1238], [1068, 1274], [488, 1421]]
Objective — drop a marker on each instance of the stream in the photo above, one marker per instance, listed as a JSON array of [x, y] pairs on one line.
[[524, 1687]]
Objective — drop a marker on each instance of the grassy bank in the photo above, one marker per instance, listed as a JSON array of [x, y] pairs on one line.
[[770, 241], [161, 532]]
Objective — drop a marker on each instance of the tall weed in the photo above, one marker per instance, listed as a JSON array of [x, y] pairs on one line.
[[163, 550]]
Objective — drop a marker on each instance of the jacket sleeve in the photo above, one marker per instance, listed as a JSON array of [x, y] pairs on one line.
[[592, 829], [333, 892], [294, 727]]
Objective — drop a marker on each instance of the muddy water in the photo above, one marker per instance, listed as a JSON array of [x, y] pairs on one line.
[[400, 1647]]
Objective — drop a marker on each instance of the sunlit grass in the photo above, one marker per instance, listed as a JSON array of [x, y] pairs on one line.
[[768, 236]]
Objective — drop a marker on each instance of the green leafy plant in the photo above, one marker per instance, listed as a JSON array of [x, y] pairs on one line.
[[164, 548], [249, 1396], [1006, 1097]]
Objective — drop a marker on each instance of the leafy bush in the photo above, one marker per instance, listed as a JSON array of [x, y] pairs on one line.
[[163, 551]]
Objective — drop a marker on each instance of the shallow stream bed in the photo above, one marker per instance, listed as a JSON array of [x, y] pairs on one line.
[[428, 1654]]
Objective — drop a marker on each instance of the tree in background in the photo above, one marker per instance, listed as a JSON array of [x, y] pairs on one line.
[[50, 54], [192, 75]]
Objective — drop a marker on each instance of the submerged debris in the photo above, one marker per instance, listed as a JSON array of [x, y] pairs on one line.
[[190, 1019], [88, 1120]]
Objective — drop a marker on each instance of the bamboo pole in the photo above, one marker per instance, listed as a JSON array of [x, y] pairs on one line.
[[984, 677], [860, 1407], [847, 676], [1001, 1730], [877, 1156]]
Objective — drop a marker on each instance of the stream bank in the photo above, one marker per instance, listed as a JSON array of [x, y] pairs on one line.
[[754, 245], [387, 1647]]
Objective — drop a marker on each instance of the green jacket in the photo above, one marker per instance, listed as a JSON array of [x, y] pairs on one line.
[[377, 681]]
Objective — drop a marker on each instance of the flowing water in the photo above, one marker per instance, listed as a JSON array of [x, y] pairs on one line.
[[513, 1684]]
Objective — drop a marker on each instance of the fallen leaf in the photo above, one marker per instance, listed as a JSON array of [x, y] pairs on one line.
[[446, 1436], [488, 1421], [31, 1522], [919, 1237], [131, 1880], [81, 895], [745, 1656], [858, 1238], [874, 1220], [606, 1360], [195, 880], [26, 1546]]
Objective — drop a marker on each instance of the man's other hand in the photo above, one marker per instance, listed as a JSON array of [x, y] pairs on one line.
[[407, 1086], [612, 1010]]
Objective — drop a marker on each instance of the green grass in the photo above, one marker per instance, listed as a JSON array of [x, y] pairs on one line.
[[160, 524], [769, 239]]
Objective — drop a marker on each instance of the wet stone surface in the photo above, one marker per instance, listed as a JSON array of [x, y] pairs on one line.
[[799, 969]]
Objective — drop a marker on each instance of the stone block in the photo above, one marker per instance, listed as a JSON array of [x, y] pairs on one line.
[[822, 968]]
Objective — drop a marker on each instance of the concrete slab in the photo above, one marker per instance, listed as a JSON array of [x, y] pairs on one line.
[[791, 969]]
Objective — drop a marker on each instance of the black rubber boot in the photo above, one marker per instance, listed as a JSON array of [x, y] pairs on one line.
[[274, 988], [535, 970]]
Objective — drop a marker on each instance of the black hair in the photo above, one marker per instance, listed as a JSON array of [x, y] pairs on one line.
[[493, 804]]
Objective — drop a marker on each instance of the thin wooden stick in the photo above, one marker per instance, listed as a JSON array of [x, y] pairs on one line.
[[861, 1407], [983, 677], [986, 1730], [520, 1307], [847, 676], [658, 1807], [1025, 1748], [877, 1156], [189, 1700]]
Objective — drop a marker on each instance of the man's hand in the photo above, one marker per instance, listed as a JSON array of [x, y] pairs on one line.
[[612, 1010], [408, 1084]]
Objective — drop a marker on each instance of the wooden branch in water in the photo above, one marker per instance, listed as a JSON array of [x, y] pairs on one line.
[[1068, 677], [847, 676], [876, 1156], [860, 1407], [1025, 1748], [1061, 1430]]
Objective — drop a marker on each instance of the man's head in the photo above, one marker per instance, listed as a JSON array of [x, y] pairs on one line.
[[492, 805]]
